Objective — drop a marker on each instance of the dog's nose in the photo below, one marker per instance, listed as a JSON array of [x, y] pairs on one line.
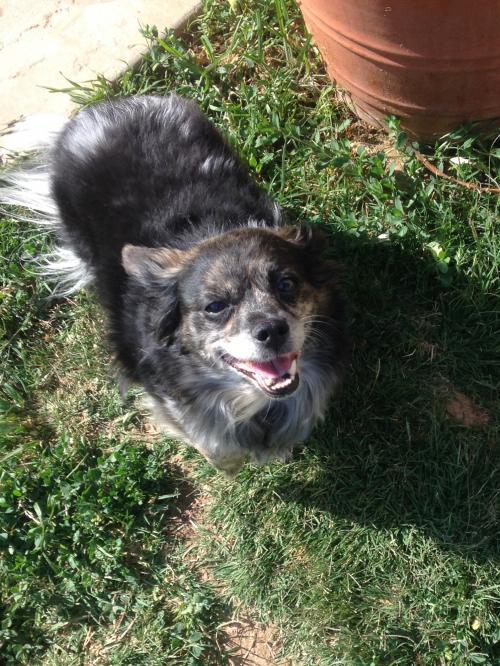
[[271, 332]]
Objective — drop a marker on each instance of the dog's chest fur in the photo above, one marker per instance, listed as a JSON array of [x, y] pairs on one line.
[[230, 423]]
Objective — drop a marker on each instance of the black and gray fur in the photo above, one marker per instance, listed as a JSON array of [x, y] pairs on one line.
[[151, 205]]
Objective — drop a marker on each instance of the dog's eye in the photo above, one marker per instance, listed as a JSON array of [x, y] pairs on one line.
[[216, 307], [285, 285]]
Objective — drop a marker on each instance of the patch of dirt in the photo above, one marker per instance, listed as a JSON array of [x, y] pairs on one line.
[[245, 641], [187, 513], [360, 133], [251, 644], [94, 652], [375, 141], [461, 409]]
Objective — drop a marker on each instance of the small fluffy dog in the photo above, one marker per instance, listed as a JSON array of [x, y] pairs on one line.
[[231, 321]]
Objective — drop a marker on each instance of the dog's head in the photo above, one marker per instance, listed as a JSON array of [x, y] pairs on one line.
[[250, 301]]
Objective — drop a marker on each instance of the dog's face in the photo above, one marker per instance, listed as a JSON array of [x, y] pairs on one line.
[[245, 301]]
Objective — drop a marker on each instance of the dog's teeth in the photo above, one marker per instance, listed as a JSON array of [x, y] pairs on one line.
[[293, 368], [283, 384]]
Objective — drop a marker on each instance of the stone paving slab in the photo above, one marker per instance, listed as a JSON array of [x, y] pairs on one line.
[[44, 41]]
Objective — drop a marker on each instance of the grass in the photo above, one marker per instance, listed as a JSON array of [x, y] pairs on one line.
[[378, 544], [87, 505]]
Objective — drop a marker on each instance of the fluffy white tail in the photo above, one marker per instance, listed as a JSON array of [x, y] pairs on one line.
[[29, 188]]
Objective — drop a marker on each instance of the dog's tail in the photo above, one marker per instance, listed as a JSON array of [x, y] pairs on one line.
[[29, 187]]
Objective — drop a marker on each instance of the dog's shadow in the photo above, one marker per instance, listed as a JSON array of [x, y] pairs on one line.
[[410, 439]]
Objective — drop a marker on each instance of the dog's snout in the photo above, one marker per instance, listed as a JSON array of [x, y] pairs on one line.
[[271, 332]]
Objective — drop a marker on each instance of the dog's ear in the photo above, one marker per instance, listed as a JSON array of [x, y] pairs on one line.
[[157, 269], [148, 264], [307, 237], [313, 243]]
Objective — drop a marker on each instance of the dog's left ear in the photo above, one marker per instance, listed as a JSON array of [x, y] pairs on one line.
[[314, 243]]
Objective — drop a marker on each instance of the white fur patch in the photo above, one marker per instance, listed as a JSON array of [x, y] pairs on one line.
[[212, 164], [88, 137], [32, 133], [30, 189], [277, 214], [65, 269]]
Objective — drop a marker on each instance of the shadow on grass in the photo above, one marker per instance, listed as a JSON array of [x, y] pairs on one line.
[[389, 454]]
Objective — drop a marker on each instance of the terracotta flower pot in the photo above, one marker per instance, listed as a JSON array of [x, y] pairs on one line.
[[433, 63]]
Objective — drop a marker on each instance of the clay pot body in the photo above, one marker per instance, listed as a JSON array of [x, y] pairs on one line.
[[433, 63]]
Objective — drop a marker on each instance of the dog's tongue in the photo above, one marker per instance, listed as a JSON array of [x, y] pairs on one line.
[[275, 368]]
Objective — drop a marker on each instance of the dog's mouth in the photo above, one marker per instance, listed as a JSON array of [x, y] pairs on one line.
[[277, 377]]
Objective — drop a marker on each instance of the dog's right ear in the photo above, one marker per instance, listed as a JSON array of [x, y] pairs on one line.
[[157, 269], [313, 242], [148, 264]]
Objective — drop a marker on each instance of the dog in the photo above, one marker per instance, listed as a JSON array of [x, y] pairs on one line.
[[231, 321]]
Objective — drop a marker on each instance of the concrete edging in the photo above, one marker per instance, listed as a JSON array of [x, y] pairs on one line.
[[44, 44]]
